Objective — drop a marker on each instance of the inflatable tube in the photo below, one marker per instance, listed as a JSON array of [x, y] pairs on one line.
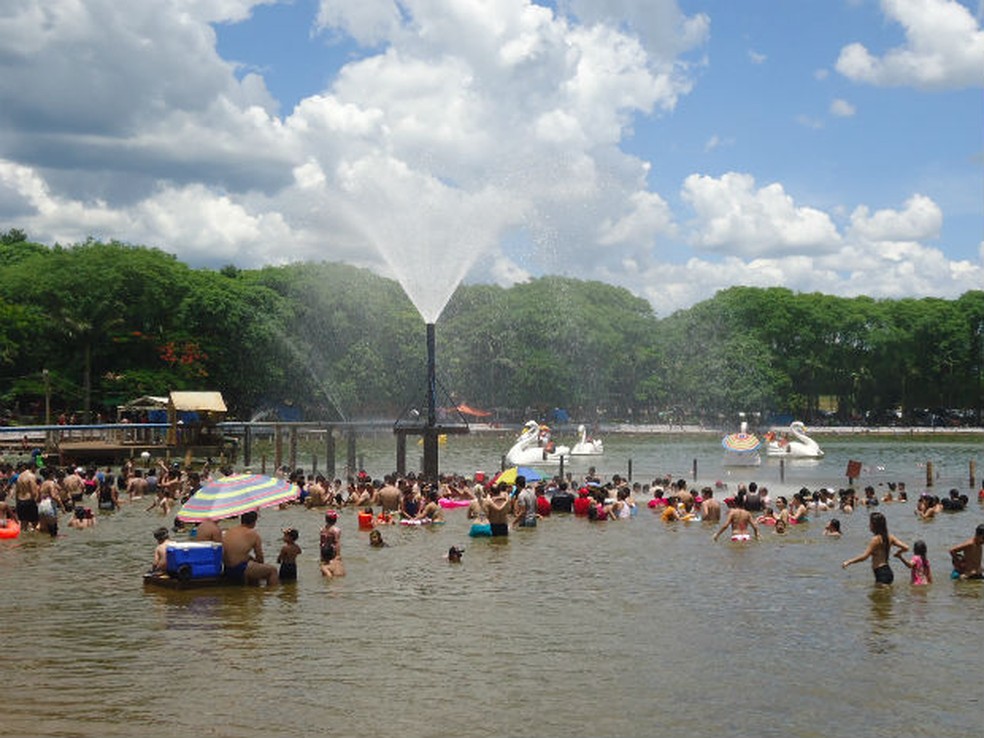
[[741, 537], [365, 521], [448, 503], [421, 521], [10, 530], [480, 530]]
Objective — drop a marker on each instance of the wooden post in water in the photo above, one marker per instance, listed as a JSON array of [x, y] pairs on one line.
[[502, 463], [263, 464], [401, 454], [350, 460], [630, 470], [973, 474], [247, 445], [695, 470], [330, 454], [782, 470], [314, 463], [278, 446], [929, 473], [561, 471], [293, 447]]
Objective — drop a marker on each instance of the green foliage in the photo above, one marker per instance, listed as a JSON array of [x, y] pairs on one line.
[[111, 321]]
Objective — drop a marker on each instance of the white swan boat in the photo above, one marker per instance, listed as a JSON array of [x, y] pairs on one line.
[[587, 446], [533, 446], [798, 446]]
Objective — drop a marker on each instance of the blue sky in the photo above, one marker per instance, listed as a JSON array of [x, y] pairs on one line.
[[672, 147]]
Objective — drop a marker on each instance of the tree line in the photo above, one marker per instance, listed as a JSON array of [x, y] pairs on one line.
[[88, 327]]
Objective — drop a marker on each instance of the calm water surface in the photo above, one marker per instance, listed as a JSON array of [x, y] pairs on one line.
[[623, 628]]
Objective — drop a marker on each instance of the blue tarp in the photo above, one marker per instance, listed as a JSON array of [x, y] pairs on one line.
[[160, 416]]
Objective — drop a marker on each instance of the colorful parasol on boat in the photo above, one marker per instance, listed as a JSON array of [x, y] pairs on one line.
[[509, 475], [229, 497], [741, 442]]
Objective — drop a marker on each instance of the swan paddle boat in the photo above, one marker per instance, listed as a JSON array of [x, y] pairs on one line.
[[533, 447], [587, 446], [798, 446]]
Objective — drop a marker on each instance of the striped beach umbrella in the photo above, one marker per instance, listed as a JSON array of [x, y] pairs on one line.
[[509, 475], [229, 497], [741, 442]]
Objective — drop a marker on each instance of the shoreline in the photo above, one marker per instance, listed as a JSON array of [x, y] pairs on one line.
[[699, 430]]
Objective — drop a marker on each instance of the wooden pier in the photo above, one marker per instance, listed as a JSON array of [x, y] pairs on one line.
[[226, 442]]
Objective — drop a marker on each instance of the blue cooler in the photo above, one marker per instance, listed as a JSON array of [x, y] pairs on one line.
[[194, 560]]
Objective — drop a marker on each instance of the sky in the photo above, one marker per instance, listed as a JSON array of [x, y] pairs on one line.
[[671, 147]]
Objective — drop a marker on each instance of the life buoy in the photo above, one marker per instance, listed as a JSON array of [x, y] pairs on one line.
[[11, 530]]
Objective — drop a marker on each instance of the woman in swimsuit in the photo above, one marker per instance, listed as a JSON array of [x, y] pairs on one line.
[[799, 511], [878, 550]]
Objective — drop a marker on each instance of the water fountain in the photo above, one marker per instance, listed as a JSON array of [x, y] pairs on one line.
[[429, 249]]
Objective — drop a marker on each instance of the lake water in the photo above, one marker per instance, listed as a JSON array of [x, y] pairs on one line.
[[622, 628]]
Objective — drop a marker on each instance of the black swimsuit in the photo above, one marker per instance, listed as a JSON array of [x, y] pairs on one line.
[[884, 575]]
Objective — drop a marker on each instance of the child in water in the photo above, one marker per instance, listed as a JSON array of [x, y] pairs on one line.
[[331, 547], [288, 556], [833, 528], [160, 553], [918, 565]]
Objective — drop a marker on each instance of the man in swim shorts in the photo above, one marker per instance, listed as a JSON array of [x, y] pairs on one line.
[[525, 505], [27, 494], [966, 556], [739, 520], [498, 511], [237, 546]]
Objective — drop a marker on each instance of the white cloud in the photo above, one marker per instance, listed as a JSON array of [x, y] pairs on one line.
[[736, 217], [755, 57], [648, 217], [369, 22], [921, 219], [880, 254], [808, 121], [842, 108], [663, 29], [464, 129], [944, 48]]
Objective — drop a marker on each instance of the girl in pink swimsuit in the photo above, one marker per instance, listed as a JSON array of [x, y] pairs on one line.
[[921, 574]]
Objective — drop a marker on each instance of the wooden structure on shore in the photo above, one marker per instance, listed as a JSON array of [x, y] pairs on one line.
[[192, 430]]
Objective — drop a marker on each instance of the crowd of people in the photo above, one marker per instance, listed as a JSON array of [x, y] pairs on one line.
[[37, 497]]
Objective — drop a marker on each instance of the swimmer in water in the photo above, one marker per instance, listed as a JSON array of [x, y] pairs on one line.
[[878, 550], [966, 556], [739, 520]]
